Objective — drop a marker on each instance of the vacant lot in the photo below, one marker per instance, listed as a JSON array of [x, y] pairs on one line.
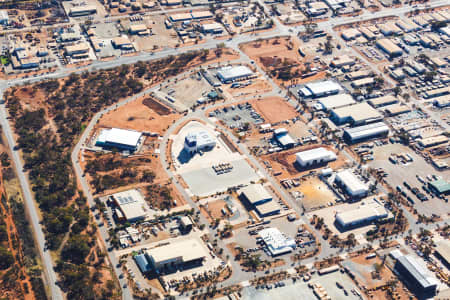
[[365, 271], [188, 89], [141, 115], [274, 109], [280, 58], [316, 193], [258, 86]]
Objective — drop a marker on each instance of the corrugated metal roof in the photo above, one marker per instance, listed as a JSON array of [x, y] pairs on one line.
[[364, 131], [416, 270]]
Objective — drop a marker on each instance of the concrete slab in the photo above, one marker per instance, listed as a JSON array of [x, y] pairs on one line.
[[241, 173]]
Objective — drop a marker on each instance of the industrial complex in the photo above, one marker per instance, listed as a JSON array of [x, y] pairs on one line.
[[225, 149]]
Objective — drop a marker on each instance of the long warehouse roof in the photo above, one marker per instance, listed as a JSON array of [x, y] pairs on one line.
[[417, 271], [189, 250], [359, 132], [119, 136]]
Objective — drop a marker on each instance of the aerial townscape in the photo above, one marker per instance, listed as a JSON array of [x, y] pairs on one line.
[[225, 149]]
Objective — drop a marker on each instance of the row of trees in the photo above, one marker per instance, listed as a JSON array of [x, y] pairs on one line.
[[46, 137]]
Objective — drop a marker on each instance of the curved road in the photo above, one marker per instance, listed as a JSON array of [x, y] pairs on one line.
[[280, 29]]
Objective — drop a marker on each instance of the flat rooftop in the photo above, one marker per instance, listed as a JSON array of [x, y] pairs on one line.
[[351, 181], [369, 209], [119, 136], [323, 87], [132, 204], [315, 154], [358, 112], [384, 100], [228, 73], [255, 193], [335, 101], [443, 248], [189, 250]]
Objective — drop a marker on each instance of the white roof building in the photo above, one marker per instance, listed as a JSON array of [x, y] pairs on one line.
[[177, 253], [314, 156], [417, 274], [4, 18], [229, 74], [358, 114], [365, 132], [320, 88], [365, 213], [352, 185], [283, 137], [336, 101], [119, 138], [132, 204], [256, 194], [198, 141], [212, 27], [277, 243]]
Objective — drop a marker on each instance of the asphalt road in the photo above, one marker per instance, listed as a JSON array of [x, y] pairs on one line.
[[31, 210], [280, 30]]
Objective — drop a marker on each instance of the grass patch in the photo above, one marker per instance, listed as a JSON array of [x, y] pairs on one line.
[[4, 60]]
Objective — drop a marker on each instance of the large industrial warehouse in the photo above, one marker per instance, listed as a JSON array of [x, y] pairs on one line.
[[415, 275], [277, 242], [383, 101], [389, 47], [320, 89], [168, 258], [315, 156], [358, 114], [351, 184], [131, 204], [365, 132], [336, 101], [258, 198], [230, 74], [119, 138], [367, 212], [443, 252]]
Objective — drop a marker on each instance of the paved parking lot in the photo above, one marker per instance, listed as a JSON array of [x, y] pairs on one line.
[[236, 116], [300, 289], [398, 173], [241, 173]]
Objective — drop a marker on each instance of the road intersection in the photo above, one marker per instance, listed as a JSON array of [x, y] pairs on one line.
[[238, 274]]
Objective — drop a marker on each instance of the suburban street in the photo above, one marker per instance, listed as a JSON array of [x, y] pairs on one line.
[[239, 276]]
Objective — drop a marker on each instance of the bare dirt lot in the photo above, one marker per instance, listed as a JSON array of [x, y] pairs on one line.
[[161, 36], [280, 58], [316, 193], [274, 109], [373, 274], [111, 173], [188, 89], [143, 114], [257, 87]]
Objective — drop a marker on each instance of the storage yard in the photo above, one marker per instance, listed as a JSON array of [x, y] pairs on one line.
[[256, 150]]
